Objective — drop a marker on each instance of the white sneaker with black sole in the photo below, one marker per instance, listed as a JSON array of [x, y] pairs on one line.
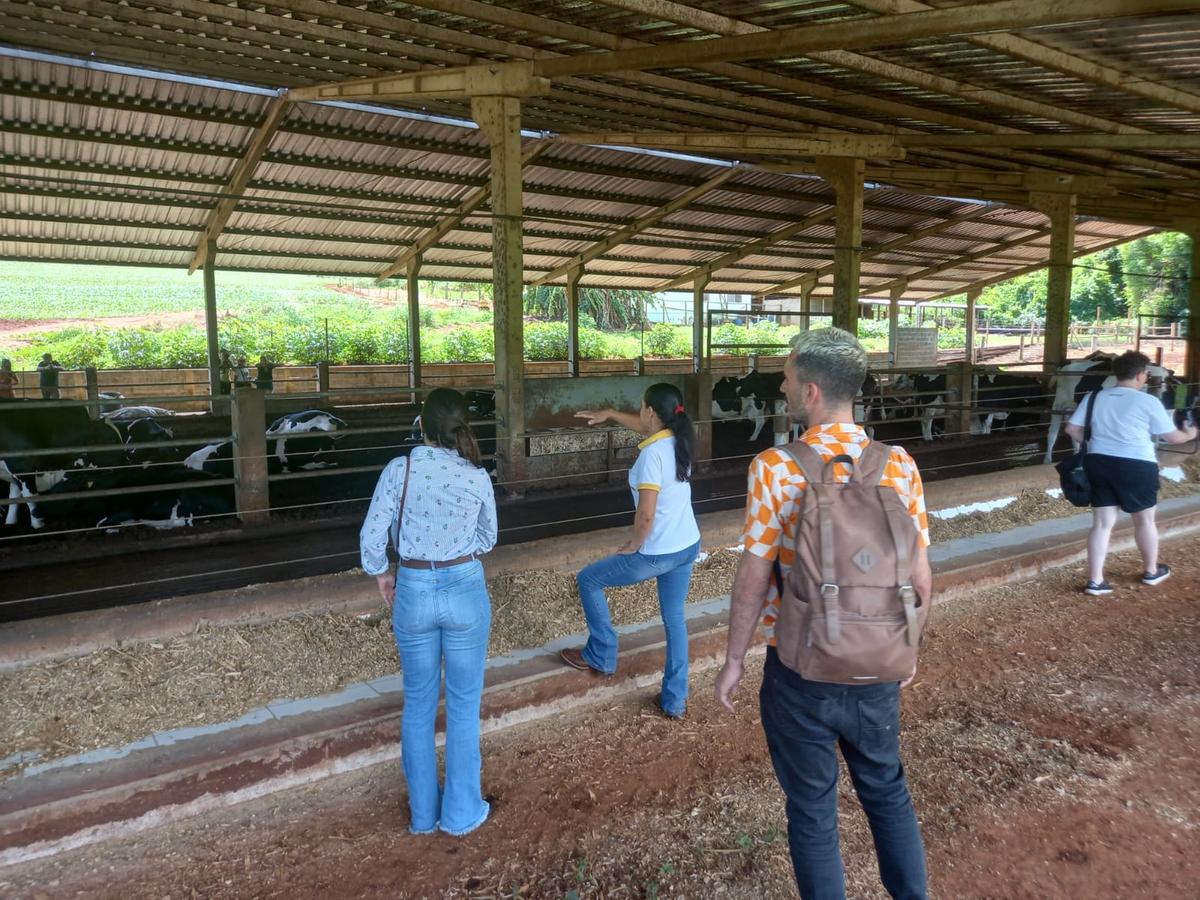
[[1098, 589], [1153, 578]]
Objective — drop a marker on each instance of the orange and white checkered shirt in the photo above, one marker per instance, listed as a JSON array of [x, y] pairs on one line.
[[776, 483]]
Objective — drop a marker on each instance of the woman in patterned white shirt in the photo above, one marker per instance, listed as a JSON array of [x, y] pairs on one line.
[[437, 508], [664, 544]]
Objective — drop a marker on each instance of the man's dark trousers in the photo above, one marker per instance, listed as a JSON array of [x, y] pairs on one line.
[[805, 722]]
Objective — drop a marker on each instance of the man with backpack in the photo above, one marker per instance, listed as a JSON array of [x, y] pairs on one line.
[[836, 567]]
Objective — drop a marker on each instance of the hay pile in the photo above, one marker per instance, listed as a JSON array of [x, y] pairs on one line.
[[116, 696], [1035, 505]]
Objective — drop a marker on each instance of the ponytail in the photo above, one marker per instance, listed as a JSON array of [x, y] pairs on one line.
[[465, 443], [667, 403], [444, 420]]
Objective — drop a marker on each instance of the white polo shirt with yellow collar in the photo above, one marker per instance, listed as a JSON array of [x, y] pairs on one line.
[[674, 527]]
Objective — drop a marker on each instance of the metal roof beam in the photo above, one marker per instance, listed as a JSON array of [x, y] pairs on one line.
[[616, 239], [512, 79], [727, 259], [1091, 70], [890, 146], [908, 278], [973, 18], [902, 241], [449, 222], [238, 180], [1037, 267], [722, 25], [811, 144]]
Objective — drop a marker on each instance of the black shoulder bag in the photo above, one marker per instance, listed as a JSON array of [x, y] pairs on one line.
[[1072, 474]]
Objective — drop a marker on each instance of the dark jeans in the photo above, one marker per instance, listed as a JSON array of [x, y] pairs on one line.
[[805, 722]]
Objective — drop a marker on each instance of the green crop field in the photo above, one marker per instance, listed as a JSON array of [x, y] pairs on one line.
[[49, 291]]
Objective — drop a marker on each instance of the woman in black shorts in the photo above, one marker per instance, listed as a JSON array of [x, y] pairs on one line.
[[1122, 465]]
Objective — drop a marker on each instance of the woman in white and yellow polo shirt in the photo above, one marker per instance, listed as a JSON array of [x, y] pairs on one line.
[[664, 544]]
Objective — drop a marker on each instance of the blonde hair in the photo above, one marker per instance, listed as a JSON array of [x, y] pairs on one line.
[[832, 358]]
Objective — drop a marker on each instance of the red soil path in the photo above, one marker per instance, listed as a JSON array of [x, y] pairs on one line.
[[1051, 739]]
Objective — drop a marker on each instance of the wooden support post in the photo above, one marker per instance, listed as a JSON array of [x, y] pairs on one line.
[[210, 321], [697, 400], [251, 488], [972, 298], [92, 384], [845, 176], [894, 298], [1158, 355], [966, 396], [573, 321], [413, 291], [500, 120], [639, 365], [698, 322], [806, 292], [1021, 347], [1192, 353], [323, 376], [1061, 210]]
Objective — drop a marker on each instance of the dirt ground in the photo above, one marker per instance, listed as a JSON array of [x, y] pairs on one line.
[[1051, 741], [216, 674]]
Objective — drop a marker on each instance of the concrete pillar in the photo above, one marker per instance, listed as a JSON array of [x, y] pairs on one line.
[[972, 298], [573, 321], [249, 423], [1192, 354], [210, 319], [414, 321], [845, 176], [500, 120], [1061, 210], [894, 298], [698, 287]]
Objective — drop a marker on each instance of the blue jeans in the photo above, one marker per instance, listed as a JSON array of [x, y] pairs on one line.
[[805, 722], [674, 574], [442, 614]]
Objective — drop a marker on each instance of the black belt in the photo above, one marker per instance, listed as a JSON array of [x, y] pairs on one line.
[[436, 564]]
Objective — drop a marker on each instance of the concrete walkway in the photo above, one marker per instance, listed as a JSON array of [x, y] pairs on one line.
[[174, 774]]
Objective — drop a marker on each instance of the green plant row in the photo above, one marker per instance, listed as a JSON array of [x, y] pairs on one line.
[[288, 338]]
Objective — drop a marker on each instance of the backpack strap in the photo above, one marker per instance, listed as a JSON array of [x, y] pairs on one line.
[[802, 453], [812, 467], [871, 463], [403, 497]]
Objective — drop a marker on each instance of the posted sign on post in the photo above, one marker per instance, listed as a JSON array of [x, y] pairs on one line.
[[916, 348]]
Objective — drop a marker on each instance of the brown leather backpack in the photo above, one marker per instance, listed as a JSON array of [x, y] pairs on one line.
[[848, 612]]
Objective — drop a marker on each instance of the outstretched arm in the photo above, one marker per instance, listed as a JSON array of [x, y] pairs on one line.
[[632, 421]]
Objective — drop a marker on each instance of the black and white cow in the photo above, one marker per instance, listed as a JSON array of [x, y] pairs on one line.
[[298, 440], [1000, 396], [28, 474], [184, 495], [126, 413], [727, 402], [764, 390], [1079, 377], [294, 441], [481, 403]]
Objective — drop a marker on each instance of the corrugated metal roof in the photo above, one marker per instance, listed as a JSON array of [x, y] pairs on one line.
[[121, 166]]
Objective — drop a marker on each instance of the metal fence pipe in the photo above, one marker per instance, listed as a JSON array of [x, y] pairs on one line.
[[137, 445], [119, 492]]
